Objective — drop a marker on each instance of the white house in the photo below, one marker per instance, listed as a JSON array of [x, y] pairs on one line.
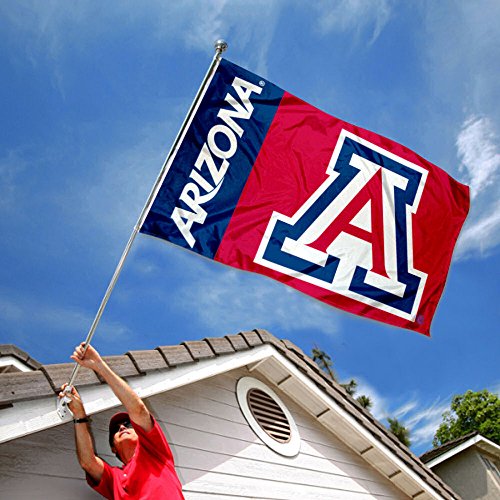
[[246, 415], [469, 464]]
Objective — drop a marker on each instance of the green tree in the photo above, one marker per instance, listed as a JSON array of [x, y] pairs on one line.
[[324, 361], [472, 411], [399, 430], [365, 402], [350, 387]]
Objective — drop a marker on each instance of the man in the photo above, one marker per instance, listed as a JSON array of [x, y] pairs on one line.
[[135, 437]]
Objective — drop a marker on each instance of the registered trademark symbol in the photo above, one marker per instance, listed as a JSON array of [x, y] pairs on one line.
[[262, 83]]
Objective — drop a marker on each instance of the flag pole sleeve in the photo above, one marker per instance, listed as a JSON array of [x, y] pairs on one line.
[[220, 46]]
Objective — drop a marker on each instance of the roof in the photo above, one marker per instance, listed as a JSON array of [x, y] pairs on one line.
[[440, 450], [13, 352], [451, 448], [254, 348]]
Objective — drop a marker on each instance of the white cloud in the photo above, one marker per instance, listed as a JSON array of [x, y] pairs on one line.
[[479, 153], [115, 195], [460, 50], [424, 423], [461, 45], [227, 300], [422, 419], [354, 15], [197, 31], [481, 234], [239, 23], [32, 315], [231, 301], [380, 408], [54, 29], [405, 409]]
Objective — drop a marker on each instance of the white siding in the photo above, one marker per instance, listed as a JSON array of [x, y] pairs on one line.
[[216, 452], [42, 466], [219, 456]]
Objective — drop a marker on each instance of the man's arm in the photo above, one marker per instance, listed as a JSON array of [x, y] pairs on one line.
[[87, 458], [133, 403]]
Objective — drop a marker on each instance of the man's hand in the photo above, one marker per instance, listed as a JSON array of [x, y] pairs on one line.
[[76, 404], [134, 405], [89, 358]]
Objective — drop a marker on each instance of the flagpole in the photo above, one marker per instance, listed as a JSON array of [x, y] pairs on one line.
[[220, 46]]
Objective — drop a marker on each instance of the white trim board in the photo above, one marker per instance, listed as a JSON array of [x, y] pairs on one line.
[[26, 417]]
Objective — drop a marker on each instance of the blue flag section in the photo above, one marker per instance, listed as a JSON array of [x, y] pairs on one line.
[[204, 182], [265, 182]]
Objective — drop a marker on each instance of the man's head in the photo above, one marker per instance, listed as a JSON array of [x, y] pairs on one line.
[[122, 436]]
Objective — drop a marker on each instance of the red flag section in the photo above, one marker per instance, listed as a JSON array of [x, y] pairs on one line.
[[335, 211]]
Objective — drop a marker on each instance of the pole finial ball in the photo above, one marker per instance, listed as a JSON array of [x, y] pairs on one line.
[[220, 45]]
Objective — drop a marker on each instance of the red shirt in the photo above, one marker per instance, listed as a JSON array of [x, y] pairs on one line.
[[150, 474]]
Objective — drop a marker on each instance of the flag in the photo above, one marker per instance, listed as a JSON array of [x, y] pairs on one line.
[[265, 182]]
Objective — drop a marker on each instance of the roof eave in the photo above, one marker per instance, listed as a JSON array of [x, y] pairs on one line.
[[478, 440]]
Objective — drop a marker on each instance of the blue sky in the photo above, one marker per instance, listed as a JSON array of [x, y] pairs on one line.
[[92, 95]]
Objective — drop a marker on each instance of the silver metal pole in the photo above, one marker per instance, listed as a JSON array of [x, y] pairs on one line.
[[220, 46]]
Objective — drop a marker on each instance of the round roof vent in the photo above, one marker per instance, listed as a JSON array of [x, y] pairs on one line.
[[268, 417]]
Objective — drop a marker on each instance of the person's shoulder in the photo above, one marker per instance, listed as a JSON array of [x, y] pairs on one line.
[[141, 431], [154, 442]]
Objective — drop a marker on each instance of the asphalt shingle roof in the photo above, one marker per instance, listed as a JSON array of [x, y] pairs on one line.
[[440, 450]]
